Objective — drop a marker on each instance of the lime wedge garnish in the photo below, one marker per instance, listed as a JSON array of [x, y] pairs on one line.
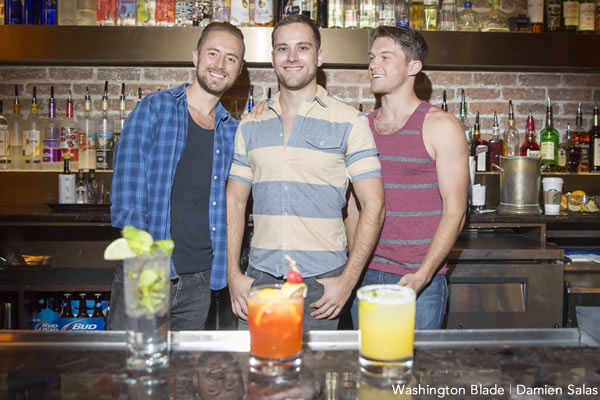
[[139, 241], [166, 246], [118, 250]]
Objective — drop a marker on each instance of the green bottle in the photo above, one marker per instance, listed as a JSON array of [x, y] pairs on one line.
[[549, 142]]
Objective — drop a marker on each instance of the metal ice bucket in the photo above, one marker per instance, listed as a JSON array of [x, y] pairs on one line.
[[519, 186]]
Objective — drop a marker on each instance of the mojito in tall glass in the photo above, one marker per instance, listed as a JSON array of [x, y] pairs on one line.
[[147, 284]]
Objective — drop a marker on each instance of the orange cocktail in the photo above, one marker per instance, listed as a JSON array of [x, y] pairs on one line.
[[275, 325]]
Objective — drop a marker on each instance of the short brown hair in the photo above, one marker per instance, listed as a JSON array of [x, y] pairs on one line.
[[222, 26], [298, 19], [412, 42]]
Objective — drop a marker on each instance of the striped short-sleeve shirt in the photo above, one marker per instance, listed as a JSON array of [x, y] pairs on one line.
[[299, 189]]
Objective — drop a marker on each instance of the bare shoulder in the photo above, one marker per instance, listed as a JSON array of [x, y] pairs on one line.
[[441, 130]]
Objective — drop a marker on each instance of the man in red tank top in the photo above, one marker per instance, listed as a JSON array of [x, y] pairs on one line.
[[424, 160]]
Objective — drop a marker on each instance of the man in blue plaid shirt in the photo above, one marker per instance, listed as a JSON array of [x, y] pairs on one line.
[[170, 171]]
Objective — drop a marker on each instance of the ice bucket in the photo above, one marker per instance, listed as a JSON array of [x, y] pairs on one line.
[[519, 186]]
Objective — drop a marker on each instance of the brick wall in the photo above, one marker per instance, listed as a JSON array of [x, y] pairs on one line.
[[486, 91]]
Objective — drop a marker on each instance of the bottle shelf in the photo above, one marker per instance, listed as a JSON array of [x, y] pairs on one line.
[[139, 46]]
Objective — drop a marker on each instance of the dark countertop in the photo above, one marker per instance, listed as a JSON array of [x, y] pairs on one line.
[[44, 372]]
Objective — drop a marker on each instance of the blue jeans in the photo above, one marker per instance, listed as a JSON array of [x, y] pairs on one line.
[[431, 302], [189, 302]]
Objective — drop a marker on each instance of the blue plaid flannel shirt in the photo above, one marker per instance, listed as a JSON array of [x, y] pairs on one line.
[[144, 168]]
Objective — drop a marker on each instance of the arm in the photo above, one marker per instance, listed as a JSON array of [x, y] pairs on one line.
[[446, 143], [239, 284], [351, 213], [129, 194], [337, 290]]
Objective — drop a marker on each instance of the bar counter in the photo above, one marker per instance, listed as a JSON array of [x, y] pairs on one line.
[[483, 364]]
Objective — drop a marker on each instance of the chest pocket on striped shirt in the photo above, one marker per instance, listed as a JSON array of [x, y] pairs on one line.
[[328, 143]]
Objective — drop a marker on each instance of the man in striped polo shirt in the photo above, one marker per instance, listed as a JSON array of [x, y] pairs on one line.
[[424, 162], [297, 159]]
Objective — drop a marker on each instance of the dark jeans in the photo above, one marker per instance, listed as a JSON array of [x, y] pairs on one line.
[[431, 302], [315, 292], [189, 303]]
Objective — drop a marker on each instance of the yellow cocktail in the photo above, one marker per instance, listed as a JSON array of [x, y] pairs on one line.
[[386, 320]]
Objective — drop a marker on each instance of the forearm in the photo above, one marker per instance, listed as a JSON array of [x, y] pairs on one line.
[[365, 238], [235, 234], [445, 236]]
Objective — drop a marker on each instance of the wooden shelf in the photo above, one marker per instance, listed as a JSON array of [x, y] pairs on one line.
[[92, 45]]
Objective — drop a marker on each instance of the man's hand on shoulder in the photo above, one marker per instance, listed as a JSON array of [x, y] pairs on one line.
[[239, 289]]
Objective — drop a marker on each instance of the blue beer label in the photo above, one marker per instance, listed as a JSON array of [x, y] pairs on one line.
[[46, 320], [81, 324]]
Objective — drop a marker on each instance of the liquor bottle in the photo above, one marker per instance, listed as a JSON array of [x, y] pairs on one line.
[[66, 182], [512, 140], [552, 15], [549, 141], [1, 12], [69, 134], [597, 19], [322, 13], [32, 136], [104, 136], [479, 148], [570, 15], [587, 8], [417, 14], [519, 21], [87, 136], [106, 12], [468, 19], [264, 14], [221, 10], [32, 12], [51, 154], [463, 118], [387, 13], [126, 12], [535, 11], [351, 14], [15, 127], [582, 137], [80, 189], [402, 13], [563, 148], [495, 20], [13, 12], [430, 14], [444, 104], [67, 12], [530, 148], [143, 13], [251, 98], [86, 12], [122, 117], [368, 14], [93, 195], [496, 145], [239, 12], [335, 14], [573, 152], [595, 143], [448, 16], [50, 13], [4, 141]]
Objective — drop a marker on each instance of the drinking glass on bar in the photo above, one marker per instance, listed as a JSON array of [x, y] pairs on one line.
[[147, 284], [275, 325], [386, 323]]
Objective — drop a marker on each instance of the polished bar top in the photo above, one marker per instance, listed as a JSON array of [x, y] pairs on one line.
[[492, 364], [101, 215]]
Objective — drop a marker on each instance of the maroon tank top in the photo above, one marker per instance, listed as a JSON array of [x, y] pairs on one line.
[[412, 197]]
